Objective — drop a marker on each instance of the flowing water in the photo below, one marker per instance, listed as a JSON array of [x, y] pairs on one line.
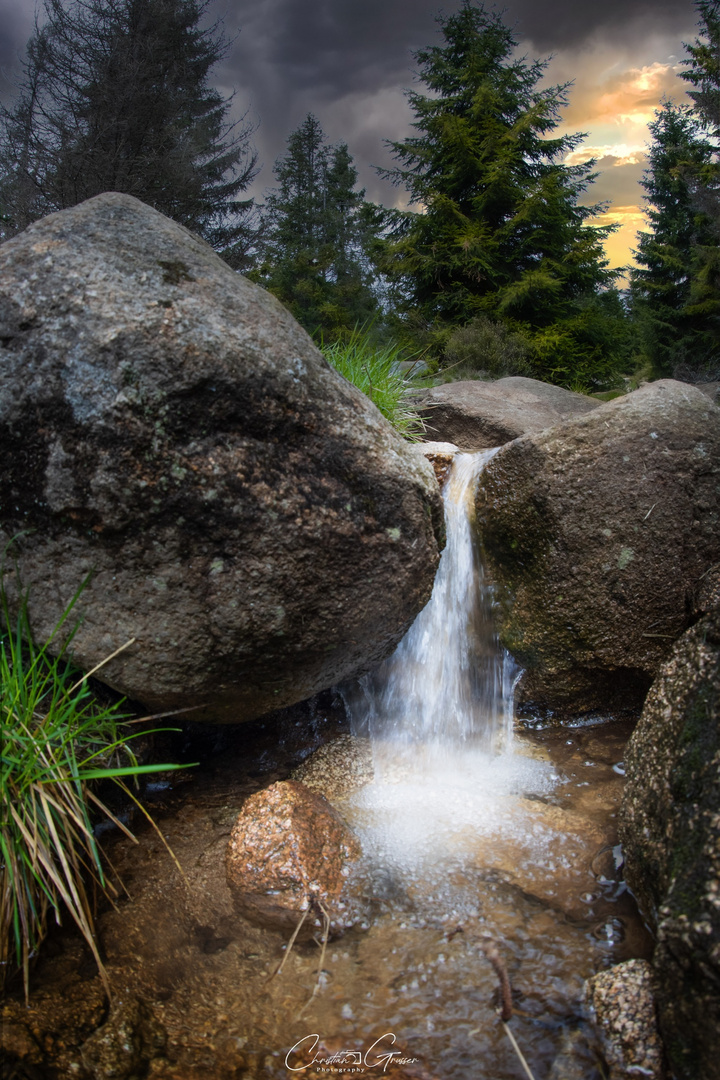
[[471, 833], [449, 683], [439, 713]]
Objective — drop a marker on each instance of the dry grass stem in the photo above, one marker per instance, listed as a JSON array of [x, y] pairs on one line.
[[321, 964], [291, 942]]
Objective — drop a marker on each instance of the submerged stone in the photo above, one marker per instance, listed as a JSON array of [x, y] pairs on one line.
[[291, 857], [126, 1043]]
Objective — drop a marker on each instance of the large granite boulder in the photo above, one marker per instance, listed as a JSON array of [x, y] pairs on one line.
[[670, 829], [291, 862], [598, 533], [477, 415], [247, 515]]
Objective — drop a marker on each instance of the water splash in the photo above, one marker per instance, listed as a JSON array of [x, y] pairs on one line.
[[449, 682], [439, 712]]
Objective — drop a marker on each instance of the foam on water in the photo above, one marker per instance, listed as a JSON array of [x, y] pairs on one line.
[[418, 814]]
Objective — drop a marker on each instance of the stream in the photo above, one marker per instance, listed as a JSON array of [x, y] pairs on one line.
[[478, 828]]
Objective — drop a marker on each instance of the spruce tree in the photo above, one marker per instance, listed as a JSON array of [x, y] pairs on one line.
[[502, 232], [703, 69], [676, 286], [677, 333], [703, 74], [115, 97], [319, 231]]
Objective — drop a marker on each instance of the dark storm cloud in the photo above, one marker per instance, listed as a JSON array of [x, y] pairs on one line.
[[335, 47], [348, 60], [16, 23], [561, 24]]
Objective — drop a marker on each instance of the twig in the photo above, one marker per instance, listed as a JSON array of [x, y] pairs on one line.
[[506, 1009], [291, 942], [650, 511], [492, 954]]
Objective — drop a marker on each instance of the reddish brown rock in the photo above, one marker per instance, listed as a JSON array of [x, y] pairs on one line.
[[290, 852], [440, 455]]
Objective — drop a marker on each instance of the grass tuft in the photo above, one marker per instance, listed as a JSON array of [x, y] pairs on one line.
[[375, 369], [57, 740]]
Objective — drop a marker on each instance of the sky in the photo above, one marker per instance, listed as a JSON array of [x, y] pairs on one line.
[[350, 62]]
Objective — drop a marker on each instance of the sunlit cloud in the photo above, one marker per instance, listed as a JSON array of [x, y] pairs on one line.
[[620, 244], [633, 96], [608, 156], [613, 99]]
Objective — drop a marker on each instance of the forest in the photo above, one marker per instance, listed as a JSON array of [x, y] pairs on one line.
[[496, 266]]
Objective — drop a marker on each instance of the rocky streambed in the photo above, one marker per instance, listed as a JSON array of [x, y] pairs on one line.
[[196, 989], [250, 531]]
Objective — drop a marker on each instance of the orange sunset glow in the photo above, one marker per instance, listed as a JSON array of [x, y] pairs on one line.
[[614, 100]]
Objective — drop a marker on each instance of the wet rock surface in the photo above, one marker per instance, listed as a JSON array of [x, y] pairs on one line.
[[621, 1002], [478, 415], [291, 859], [245, 514], [597, 534], [51, 1027], [338, 768], [670, 825], [440, 455], [529, 856], [127, 1042]]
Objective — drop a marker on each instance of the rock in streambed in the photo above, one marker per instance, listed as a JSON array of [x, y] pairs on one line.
[[670, 828], [478, 415], [291, 857], [166, 428], [621, 1002]]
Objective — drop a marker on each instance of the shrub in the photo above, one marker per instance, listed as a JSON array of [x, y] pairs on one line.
[[484, 347], [57, 741]]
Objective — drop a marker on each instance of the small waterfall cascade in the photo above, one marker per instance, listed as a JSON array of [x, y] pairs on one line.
[[439, 713], [449, 682]]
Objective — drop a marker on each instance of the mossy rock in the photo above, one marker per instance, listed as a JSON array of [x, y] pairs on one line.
[[597, 532], [670, 828]]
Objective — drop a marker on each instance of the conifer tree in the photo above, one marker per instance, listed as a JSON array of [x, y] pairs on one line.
[[703, 74], [676, 286], [115, 97], [676, 330], [703, 69], [502, 232], [319, 231]]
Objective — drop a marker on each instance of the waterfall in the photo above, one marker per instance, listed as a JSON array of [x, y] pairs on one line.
[[439, 713], [449, 682]]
